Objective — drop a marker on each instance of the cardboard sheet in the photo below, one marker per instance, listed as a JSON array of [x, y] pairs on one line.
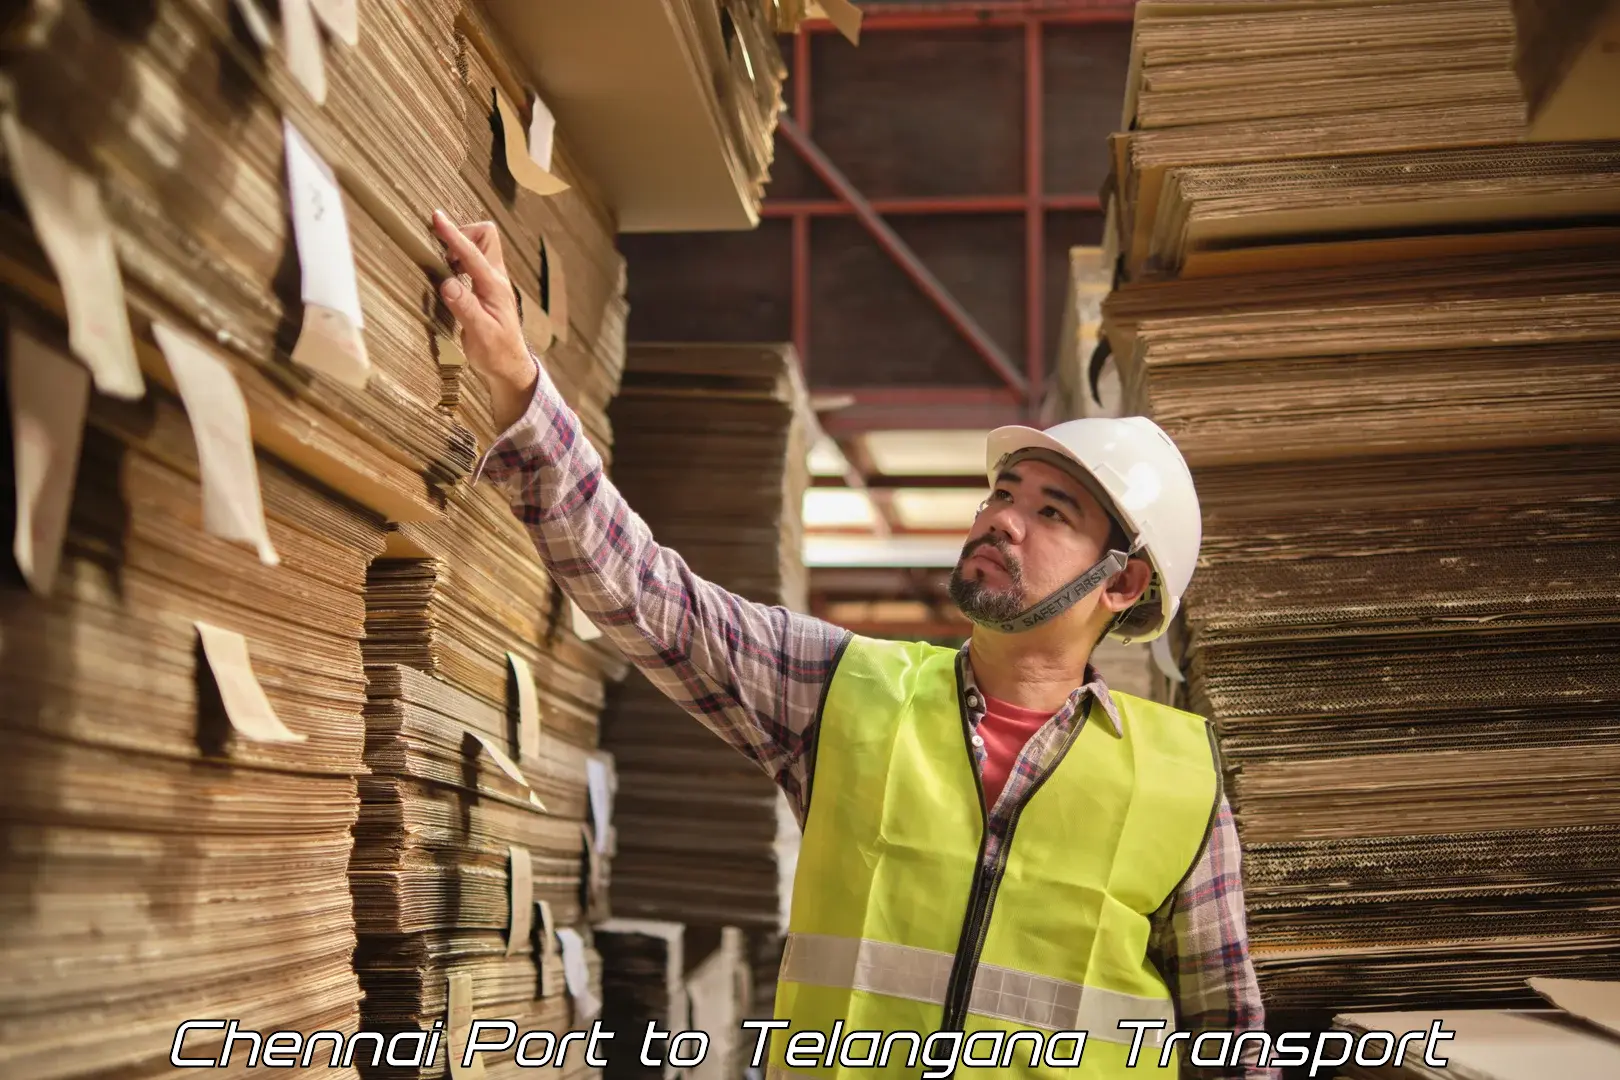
[[233, 507], [301, 37], [246, 705], [1595, 1002], [520, 159], [330, 339], [50, 394], [64, 203], [527, 707], [521, 870], [257, 22]]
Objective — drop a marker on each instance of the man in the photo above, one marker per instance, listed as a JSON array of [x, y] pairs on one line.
[[995, 843]]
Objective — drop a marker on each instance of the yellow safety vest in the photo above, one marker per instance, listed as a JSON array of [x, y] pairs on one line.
[[896, 926]]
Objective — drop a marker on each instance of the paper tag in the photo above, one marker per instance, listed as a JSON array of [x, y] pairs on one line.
[[542, 128], [458, 1022], [584, 629], [71, 223], [305, 59], [232, 505], [342, 17], [524, 169], [578, 975], [845, 16], [520, 917], [257, 23], [548, 928], [506, 765], [246, 705], [596, 883], [556, 295], [449, 350], [600, 782], [528, 707], [50, 396], [330, 340], [537, 325]]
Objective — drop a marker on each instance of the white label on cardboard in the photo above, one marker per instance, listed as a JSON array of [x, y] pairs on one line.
[[330, 339], [577, 974], [599, 782], [50, 396], [246, 705], [584, 628], [542, 130], [528, 707], [305, 59], [233, 507], [64, 204], [342, 17]]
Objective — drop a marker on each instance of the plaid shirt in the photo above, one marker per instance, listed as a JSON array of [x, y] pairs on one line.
[[753, 674]]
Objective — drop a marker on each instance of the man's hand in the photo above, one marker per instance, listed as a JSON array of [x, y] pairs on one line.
[[491, 331]]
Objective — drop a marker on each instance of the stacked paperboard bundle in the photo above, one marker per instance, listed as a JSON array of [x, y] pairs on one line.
[[661, 976], [183, 722], [1252, 125], [1379, 330], [712, 455], [197, 143]]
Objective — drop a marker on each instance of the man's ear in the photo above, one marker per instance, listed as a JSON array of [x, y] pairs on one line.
[[1126, 587]]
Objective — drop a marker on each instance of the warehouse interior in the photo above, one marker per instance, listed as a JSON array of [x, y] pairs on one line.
[[306, 734]]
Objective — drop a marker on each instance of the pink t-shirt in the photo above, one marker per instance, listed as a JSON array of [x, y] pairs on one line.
[[1005, 729]]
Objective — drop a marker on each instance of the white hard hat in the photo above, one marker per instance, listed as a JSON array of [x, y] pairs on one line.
[[1149, 490]]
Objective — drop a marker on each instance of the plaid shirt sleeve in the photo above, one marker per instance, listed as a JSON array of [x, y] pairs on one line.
[[751, 673], [1201, 946]]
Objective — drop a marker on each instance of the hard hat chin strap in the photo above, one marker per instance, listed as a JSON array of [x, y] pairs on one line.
[[1062, 599]]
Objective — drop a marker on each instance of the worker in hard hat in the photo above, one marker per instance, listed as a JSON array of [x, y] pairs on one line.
[[993, 841]]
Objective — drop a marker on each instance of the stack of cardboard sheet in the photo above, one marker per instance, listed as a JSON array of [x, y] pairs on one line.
[[711, 454], [183, 724], [196, 142], [643, 983], [1379, 326], [231, 214], [1290, 122], [662, 976]]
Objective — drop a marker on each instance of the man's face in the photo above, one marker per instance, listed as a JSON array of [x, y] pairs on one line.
[[1038, 531]]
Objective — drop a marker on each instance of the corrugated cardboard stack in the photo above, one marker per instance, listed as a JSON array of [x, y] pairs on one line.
[[485, 833], [1378, 326], [713, 454], [189, 701]]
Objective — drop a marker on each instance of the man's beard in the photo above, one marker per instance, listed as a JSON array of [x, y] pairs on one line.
[[979, 602]]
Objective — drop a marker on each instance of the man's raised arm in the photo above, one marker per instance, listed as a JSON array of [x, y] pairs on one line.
[[751, 673]]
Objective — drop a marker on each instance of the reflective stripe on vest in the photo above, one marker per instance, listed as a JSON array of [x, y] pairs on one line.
[[1033, 1001], [899, 925]]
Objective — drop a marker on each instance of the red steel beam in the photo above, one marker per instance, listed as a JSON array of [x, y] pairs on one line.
[[902, 254], [801, 221], [1034, 221], [956, 16], [931, 204]]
